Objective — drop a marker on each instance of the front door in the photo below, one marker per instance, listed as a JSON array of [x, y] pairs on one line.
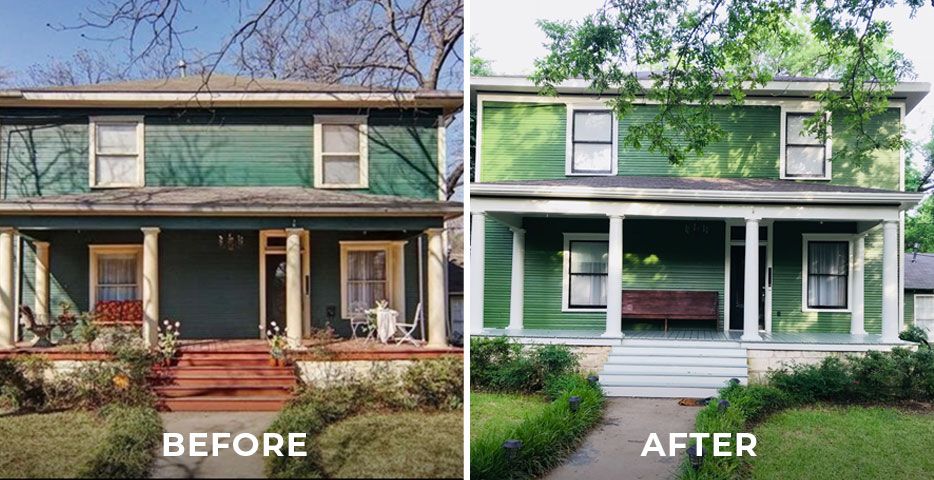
[[737, 284], [272, 280]]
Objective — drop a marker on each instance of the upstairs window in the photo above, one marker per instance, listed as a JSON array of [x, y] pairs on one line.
[[116, 152], [592, 143], [806, 156], [341, 152]]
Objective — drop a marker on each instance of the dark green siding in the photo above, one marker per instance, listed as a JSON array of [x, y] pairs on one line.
[[225, 147], [522, 141], [909, 307], [497, 278]]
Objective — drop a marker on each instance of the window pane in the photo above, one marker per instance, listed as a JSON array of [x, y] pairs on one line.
[[116, 170], [116, 138], [340, 138], [804, 161], [828, 258], [593, 127], [924, 308], [589, 257], [796, 134], [366, 278], [591, 157], [588, 290], [341, 169], [827, 291], [117, 277]]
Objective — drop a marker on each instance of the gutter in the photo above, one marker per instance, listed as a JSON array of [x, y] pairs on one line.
[[904, 201], [64, 209]]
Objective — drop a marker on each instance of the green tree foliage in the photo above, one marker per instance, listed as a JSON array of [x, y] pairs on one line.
[[479, 66], [696, 51]]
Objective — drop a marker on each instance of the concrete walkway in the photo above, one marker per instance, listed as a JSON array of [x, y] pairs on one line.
[[227, 464], [612, 450]]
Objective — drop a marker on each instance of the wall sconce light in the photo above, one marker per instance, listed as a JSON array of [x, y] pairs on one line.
[[230, 241]]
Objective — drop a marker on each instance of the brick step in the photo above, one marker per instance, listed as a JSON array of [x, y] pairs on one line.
[[213, 389], [224, 359], [225, 371], [222, 404], [231, 380]]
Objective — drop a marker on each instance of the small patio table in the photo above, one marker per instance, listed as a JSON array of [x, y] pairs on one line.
[[386, 324]]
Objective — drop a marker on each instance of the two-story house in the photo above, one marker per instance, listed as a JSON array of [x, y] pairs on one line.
[[224, 205], [678, 278]]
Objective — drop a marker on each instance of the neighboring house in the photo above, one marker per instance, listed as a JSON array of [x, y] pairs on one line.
[[919, 290], [578, 238], [225, 206]]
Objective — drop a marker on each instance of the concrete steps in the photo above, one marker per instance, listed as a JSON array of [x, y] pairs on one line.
[[223, 381], [672, 368]]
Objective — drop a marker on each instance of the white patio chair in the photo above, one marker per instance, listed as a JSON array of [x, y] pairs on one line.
[[407, 329], [358, 319]]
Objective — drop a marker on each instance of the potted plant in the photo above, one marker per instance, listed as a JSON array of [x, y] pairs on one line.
[[276, 338], [168, 342], [67, 321]]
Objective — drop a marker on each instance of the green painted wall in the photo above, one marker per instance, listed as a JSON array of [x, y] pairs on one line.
[[654, 258], [909, 307], [220, 148], [521, 141]]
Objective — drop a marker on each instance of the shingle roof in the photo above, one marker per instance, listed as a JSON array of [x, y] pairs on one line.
[[919, 271], [229, 200], [693, 183]]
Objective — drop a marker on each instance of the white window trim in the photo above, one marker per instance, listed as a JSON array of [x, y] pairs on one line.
[[395, 264], [361, 122], [783, 131], [914, 313], [566, 270], [569, 140], [140, 146], [96, 250], [838, 237]]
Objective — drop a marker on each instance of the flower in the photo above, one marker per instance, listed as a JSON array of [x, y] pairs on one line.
[[178, 324], [121, 381], [165, 322]]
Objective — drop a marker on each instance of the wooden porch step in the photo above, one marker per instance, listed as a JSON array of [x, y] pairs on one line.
[[223, 359], [288, 380], [225, 371], [222, 404], [214, 389]]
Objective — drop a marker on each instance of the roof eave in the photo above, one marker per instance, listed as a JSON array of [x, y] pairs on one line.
[[64, 209], [903, 200]]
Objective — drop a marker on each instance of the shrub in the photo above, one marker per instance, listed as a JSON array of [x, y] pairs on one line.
[[436, 383], [23, 384], [915, 334], [497, 364], [127, 449]]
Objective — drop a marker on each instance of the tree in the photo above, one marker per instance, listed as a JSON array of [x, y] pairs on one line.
[[479, 66], [919, 223], [84, 67], [699, 50]]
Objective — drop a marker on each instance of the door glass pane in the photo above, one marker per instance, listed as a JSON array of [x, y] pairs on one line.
[[116, 170], [340, 138], [593, 157], [116, 138], [593, 127], [275, 290], [341, 169]]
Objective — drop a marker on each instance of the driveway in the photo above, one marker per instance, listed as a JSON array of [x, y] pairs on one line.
[[227, 464], [612, 449]]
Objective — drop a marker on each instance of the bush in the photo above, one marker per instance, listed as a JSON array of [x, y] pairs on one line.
[[436, 383], [915, 334], [23, 384], [546, 438], [127, 450], [497, 364]]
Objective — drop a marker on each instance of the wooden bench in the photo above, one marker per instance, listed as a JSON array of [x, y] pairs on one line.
[[670, 305]]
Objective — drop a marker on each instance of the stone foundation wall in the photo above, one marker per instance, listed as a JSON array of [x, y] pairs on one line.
[[320, 374], [593, 358], [761, 361]]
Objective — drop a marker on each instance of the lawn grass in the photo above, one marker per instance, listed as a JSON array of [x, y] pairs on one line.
[[42, 445], [834, 443], [395, 445], [501, 411]]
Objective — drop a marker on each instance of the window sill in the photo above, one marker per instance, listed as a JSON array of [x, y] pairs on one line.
[[117, 185], [589, 174], [583, 310], [340, 187], [826, 310], [791, 177]]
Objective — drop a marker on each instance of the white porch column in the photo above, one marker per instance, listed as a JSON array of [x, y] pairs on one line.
[[857, 322], [751, 282], [7, 315], [437, 316], [293, 286], [477, 254], [890, 281], [614, 281], [517, 285], [41, 306], [151, 286]]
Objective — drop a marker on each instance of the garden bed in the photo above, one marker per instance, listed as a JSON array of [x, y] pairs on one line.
[[501, 411]]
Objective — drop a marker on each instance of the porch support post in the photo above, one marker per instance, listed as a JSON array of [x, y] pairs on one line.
[[437, 332], [614, 281], [7, 315], [517, 285], [477, 254], [857, 320], [751, 282], [293, 286], [41, 305], [890, 281], [150, 286]]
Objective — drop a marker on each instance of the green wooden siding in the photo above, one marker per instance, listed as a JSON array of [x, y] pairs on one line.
[[496, 278], [522, 141], [248, 147], [909, 307]]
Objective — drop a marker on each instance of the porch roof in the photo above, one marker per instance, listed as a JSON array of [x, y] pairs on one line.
[[696, 189], [228, 201]]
